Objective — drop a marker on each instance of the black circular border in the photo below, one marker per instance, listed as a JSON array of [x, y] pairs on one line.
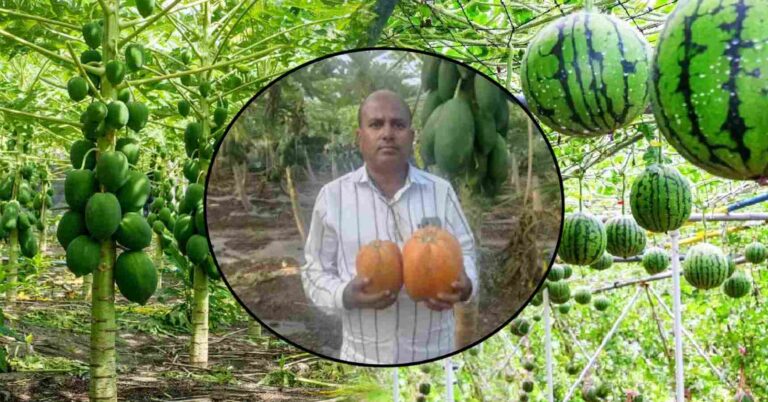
[[511, 96]]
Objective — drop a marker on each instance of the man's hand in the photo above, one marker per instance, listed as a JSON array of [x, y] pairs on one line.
[[462, 290], [354, 295]]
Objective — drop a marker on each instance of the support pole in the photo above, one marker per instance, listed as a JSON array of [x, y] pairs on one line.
[[679, 385], [395, 386], [548, 345], [607, 337], [694, 343], [448, 379]]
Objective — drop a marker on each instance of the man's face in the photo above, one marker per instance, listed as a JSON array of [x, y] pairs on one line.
[[385, 136]]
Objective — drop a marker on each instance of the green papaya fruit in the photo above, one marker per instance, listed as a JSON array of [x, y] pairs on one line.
[[135, 276], [429, 72], [117, 114], [145, 7], [102, 215], [447, 78], [83, 255], [134, 193], [139, 114], [133, 233], [114, 70], [96, 111], [184, 108], [112, 170], [79, 186], [78, 151], [130, 148], [77, 88], [134, 56], [71, 225], [92, 32]]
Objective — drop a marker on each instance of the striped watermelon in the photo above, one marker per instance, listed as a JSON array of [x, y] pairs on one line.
[[655, 260], [537, 299], [556, 273], [660, 199], [601, 303], [564, 308], [738, 285], [625, 237], [756, 252], [559, 292], [567, 271], [520, 326], [583, 239], [705, 266], [604, 262], [586, 74], [709, 80], [582, 296]]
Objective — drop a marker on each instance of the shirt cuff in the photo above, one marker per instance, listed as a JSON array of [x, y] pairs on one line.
[[338, 295]]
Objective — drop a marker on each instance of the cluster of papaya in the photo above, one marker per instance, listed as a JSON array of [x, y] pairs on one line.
[[465, 119], [22, 208], [105, 190], [99, 117]]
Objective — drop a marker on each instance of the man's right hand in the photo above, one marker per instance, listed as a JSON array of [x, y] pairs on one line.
[[354, 296]]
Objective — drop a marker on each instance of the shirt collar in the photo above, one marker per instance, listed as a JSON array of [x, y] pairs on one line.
[[414, 175]]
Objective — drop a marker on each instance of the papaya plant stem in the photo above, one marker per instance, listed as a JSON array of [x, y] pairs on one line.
[[43, 242], [103, 374], [199, 343], [159, 261], [38, 18], [41, 117], [581, 178], [293, 28], [45, 52], [198, 351], [12, 272], [623, 190], [256, 55], [148, 23]]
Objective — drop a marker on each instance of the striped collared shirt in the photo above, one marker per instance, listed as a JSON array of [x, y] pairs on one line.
[[350, 212]]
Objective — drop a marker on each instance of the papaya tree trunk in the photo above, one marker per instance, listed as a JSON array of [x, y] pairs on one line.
[[103, 386], [87, 287], [254, 329], [159, 261], [311, 172], [198, 348], [198, 355], [295, 205], [43, 242], [103, 375], [240, 173], [12, 272], [515, 172]]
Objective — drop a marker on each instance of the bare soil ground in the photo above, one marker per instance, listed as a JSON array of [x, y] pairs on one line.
[[152, 366]]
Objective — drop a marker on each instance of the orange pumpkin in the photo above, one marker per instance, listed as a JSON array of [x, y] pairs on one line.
[[432, 261], [382, 263]]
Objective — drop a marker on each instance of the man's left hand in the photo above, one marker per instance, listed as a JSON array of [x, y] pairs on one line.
[[462, 290]]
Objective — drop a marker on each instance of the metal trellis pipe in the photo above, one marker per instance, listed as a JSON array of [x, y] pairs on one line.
[[679, 385], [607, 338], [548, 345]]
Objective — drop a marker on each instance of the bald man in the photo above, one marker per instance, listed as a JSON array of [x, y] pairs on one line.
[[386, 199]]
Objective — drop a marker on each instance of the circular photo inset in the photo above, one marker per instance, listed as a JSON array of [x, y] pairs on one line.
[[384, 207]]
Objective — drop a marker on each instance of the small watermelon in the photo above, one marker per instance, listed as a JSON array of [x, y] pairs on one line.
[[660, 199], [705, 266], [625, 237], [583, 239], [755, 252], [604, 262], [655, 260], [738, 285]]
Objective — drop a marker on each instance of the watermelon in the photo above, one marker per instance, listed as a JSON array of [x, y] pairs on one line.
[[583, 295], [556, 273], [705, 266], [567, 271], [604, 262], [625, 237], [660, 199], [755, 252], [738, 285], [708, 86], [559, 292], [655, 260], [519, 326], [601, 303], [586, 74], [583, 239]]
